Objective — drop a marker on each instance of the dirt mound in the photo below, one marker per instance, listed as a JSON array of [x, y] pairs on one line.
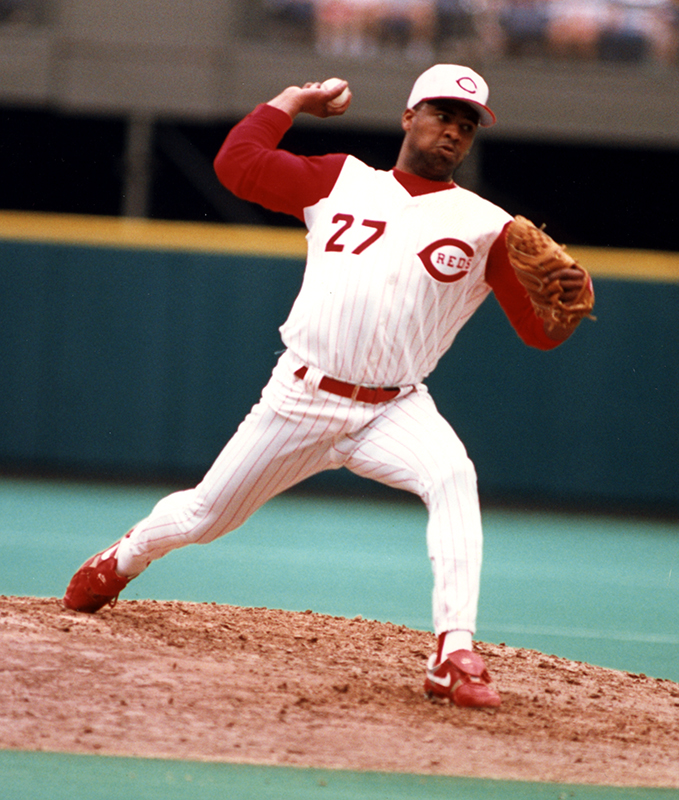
[[221, 683]]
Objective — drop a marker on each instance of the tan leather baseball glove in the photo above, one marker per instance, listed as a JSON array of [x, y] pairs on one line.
[[548, 274]]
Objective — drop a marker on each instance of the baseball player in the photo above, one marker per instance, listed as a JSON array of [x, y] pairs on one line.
[[397, 263]]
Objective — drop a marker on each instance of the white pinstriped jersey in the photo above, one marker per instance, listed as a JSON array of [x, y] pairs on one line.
[[391, 278]]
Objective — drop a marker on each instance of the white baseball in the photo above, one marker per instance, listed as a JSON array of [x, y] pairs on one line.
[[336, 102]]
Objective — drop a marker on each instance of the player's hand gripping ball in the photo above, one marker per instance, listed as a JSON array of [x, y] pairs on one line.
[[548, 273], [337, 103]]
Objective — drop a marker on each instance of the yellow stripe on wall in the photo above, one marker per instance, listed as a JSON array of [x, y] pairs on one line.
[[203, 237], [633, 265]]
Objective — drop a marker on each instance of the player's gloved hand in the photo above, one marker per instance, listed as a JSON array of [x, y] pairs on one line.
[[559, 288], [572, 281]]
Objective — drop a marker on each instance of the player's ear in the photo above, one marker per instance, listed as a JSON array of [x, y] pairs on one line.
[[407, 119]]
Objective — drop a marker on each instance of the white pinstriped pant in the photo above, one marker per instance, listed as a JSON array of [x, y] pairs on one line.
[[296, 431]]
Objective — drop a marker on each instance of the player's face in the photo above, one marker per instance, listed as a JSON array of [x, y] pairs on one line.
[[438, 136]]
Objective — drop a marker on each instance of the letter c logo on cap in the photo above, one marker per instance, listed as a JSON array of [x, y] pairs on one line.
[[467, 85]]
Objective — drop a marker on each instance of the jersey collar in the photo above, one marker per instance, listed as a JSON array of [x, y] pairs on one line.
[[415, 185]]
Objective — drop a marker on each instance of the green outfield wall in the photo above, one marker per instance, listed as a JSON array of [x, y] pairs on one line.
[[134, 349]]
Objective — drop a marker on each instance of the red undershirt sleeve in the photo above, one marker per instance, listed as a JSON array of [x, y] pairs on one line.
[[513, 298], [251, 166]]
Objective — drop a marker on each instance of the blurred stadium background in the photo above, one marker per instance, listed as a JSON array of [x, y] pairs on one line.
[[118, 106], [137, 359]]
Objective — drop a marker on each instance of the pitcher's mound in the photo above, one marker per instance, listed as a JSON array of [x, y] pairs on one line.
[[222, 683]]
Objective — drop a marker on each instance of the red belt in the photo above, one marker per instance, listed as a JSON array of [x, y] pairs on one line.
[[351, 390]]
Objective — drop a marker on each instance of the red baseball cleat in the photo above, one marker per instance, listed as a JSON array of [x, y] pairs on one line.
[[462, 677], [96, 583]]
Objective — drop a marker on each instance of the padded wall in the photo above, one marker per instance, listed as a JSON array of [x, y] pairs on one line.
[[127, 362]]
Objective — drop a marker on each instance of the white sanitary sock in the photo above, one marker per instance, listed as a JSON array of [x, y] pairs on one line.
[[456, 640]]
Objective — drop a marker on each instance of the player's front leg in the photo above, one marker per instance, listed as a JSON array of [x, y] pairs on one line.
[[268, 454]]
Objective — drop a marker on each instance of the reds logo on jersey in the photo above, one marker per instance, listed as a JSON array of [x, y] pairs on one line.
[[447, 260]]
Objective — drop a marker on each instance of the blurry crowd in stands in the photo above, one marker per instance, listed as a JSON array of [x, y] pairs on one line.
[[19, 11], [606, 30]]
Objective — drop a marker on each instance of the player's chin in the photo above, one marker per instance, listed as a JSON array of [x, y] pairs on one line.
[[442, 171], [444, 162]]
